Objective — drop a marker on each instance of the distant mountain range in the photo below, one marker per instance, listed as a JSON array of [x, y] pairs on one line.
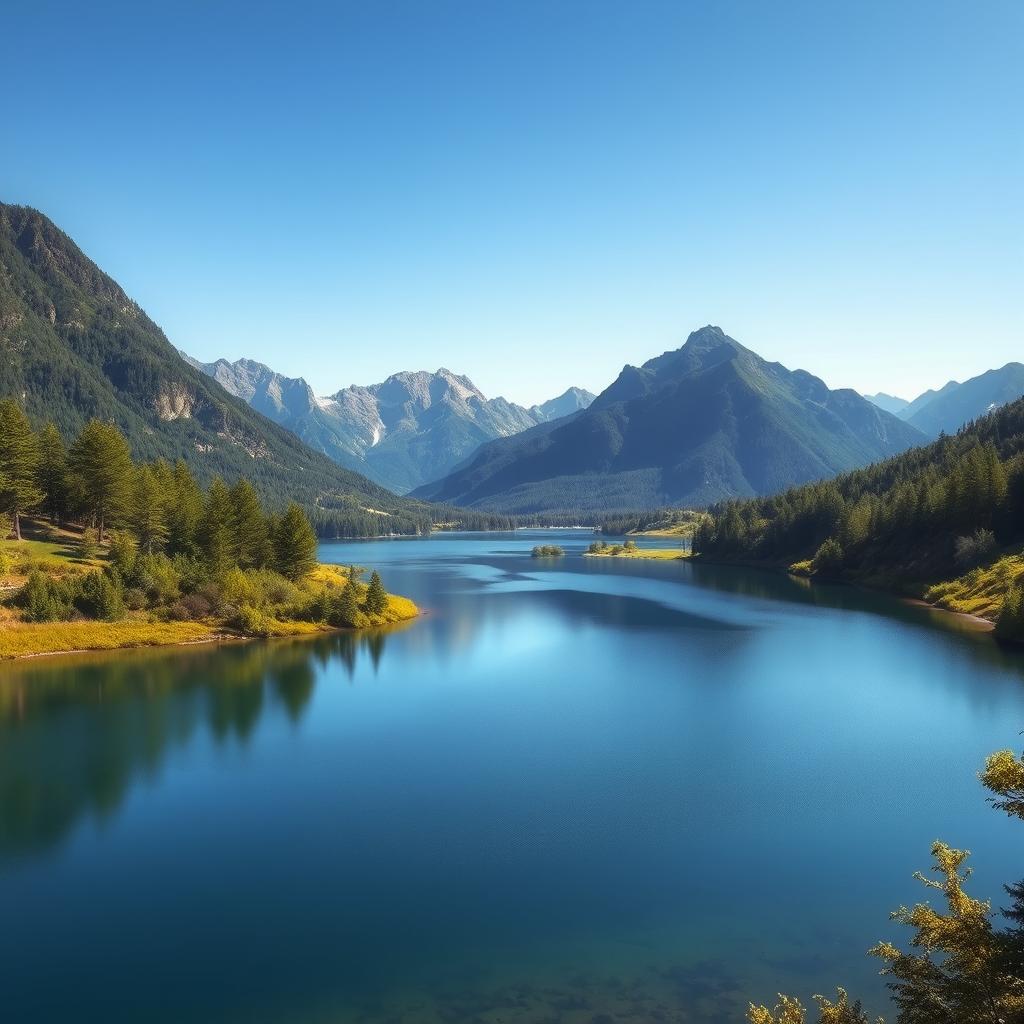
[[708, 421], [947, 409], [74, 346], [412, 428], [890, 403]]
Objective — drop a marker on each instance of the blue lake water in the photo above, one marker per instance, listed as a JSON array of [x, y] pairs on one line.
[[579, 790]]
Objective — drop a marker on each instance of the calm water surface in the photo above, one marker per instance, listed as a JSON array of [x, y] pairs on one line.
[[576, 791]]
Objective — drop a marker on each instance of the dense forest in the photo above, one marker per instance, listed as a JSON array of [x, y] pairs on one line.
[[954, 508], [144, 537]]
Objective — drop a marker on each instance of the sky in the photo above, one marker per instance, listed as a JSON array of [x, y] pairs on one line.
[[535, 194]]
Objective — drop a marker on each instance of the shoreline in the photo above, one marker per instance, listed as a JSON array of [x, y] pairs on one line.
[[982, 624], [202, 641]]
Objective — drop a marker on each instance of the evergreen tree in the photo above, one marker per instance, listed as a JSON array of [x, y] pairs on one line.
[[100, 461], [294, 544], [88, 544], [19, 464], [250, 527], [376, 600], [185, 511], [216, 536], [150, 510], [52, 476], [347, 612]]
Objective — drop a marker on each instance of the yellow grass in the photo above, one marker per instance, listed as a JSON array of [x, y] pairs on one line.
[[399, 608], [981, 591], [664, 554], [22, 638], [19, 639]]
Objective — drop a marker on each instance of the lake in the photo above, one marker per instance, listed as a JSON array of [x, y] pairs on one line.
[[580, 790]]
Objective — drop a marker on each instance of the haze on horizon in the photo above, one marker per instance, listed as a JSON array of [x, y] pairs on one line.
[[534, 194]]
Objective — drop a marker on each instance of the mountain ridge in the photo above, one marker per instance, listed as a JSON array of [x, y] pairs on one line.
[[74, 346], [690, 426], [412, 427]]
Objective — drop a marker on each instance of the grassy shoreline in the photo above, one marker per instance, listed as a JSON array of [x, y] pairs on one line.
[[20, 640], [54, 553]]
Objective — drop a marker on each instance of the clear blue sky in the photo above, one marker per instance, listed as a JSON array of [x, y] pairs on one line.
[[537, 193]]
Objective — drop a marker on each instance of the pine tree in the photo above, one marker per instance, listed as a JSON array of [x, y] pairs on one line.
[[347, 612], [294, 544], [250, 527], [376, 600], [19, 464], [100, 461], [185, 511], [150, 510], [52, 476], [215, 530]]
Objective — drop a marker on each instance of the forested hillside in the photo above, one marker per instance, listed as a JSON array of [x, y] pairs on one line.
[[74, 347], [954, 508]]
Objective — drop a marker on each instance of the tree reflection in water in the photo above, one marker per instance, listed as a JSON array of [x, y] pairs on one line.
[[77, 732]]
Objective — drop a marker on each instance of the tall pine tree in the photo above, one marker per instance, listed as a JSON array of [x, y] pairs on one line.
[[52, 476], [252, 538], [100, 461], [376, 598], [294, 544], [19, 464], [150, 510], [216, 533]]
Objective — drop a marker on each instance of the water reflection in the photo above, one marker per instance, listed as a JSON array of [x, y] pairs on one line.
[[75, 732], [542, 801]]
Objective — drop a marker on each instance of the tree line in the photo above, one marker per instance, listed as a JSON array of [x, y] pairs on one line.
[[928, 514], [171, 547], [95, 483]]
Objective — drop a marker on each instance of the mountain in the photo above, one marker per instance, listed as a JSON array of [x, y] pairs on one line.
[[947, 410], [74, 346], [911, 409], [707, 421], [944, 522], [890, 403], [413, 427], [565, 404]]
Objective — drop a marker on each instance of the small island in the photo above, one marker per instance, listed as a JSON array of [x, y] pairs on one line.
[[104, 553], [629, 549], [547, 551]]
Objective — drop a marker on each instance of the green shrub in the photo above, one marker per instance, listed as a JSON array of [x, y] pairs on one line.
[[88, 544], [548, 551], [1010, 624], [100, 596], [123, 552], [253, 621], [44, 599], [829, 557], [975, 549]]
